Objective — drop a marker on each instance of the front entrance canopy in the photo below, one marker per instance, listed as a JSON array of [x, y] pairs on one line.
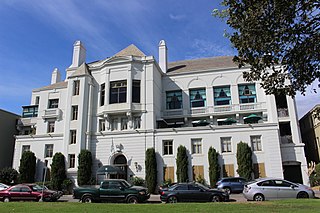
[[108, 169]]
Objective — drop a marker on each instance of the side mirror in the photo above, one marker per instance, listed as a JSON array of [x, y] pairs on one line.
[[292, 186]]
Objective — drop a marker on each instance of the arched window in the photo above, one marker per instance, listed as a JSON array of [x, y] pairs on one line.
[[120, 159]]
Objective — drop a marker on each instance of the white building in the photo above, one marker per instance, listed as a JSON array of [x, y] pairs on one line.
[[120, 106]]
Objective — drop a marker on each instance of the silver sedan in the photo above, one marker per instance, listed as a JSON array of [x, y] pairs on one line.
[[273, 188]]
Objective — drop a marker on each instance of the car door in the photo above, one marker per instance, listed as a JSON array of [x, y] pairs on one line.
[[197, 194], [181, 192], [26, 193], [112, 191], [14, 193], [285, 189], [268, 189]]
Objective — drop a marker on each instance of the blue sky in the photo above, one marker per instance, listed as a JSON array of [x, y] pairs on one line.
[[38, 35]]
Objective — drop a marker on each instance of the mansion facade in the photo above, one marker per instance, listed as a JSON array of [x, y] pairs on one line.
[[120, 106]]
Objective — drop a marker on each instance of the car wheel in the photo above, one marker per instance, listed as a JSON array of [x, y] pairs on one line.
[[228, 190], [6, 199], [172, 199], [86, 199], [258, 197], [215, 198], [302, 195], [132, 200]]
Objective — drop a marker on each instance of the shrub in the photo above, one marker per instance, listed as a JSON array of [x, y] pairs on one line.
[[151, 170], [27, 167], [244, 160], [201, 180], [84, 168], [182, 164], [137, 181], [315, 176], [8, 176], [214, 168], [66, 186], [58, 171]]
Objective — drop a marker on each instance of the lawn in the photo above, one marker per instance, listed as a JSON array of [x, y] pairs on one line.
[[268, 206]]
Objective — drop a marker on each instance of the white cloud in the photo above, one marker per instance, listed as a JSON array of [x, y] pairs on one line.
[[177, 17]]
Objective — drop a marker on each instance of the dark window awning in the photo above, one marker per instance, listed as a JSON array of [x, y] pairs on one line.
[[108, 169]]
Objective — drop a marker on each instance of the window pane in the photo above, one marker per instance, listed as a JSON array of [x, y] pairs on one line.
[[53, 103], [222, 95], [118, 92], [136, 91], [174, 99], [197, 97], [226, 144], [247, 93]]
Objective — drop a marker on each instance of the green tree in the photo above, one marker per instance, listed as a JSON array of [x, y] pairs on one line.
[[58, 171], [151, 170], [214, 167], [8, 175], [267, 33], [244, 160], [27, 167], [84, 168], [182, 164]]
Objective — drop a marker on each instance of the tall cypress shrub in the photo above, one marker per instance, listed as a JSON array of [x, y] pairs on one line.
[[151, 170], [214, 167], [27, 167], [182, 164], [244, 160], [84, 168], [58, 171]]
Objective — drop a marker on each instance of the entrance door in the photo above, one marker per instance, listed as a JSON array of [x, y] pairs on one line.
[[121, 162], [292, 173]]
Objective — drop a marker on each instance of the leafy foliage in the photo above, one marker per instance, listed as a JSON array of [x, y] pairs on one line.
[[58, 171], [84, 168], [214, 167], [244, 160], [137, 181], [27, 167], [201, 180], [182, 164], [151, 170], [268, 33], [315, 176], [8, 175]]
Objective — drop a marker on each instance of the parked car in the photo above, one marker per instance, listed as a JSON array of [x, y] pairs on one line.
[[273, 188], [192, 192], [54, 195], [231, 184], [165, 186], [3, 186], [113, 190], [22, 192]]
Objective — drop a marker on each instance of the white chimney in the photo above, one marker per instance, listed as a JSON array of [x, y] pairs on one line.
[[56, 76], [163, 56], [79, 54]]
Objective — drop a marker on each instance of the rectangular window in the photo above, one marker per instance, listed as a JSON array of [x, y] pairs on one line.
[[174, 99], [102, 93], [196, 146], [37, 100], [226, 144], [168, 147], [124, 123], [136, 122], [25, 148], [76, 87], [102, 125], [118, 92], [222, 95], [197, 97], [228, 170], [51, 125], [114, 124], [259, 170], [72, 160], [73, 136], [53, 103], [136, 91], [74, 115], [197, 172], [247, 93], [168, 173], [48, 151], [256, 143]]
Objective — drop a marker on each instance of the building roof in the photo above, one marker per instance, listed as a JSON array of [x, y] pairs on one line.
[[201, 64], [59, 85], [130, 50], [82, 70]]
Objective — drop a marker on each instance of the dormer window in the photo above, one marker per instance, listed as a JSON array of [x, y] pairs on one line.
[[118, 92]]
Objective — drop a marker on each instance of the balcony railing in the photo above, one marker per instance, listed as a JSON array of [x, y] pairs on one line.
[[52, 113], [283, 112], [30, 111]]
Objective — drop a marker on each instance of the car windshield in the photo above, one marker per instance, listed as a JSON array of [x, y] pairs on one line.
[[203, 186], [36, 188], [126, 184]]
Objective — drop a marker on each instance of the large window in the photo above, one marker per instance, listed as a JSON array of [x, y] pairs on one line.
[[53, 103], [102, 93], [196, 146], [247, 93], [167, 147], [226, 144], [256, 143], [118, 92], [76, 87], [72, 160], [222, 95], [174, 99], [73, 136], [48, 151], [197, 97], [74, 115], [51, 125], [136, 91], [25, 148]]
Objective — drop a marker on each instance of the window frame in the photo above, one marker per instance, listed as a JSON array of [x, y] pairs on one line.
[[76, 87], [169, 102], [48, 153], [74, 112], [249, 95], [256, 145], [217, 95], [226, 144], [71, 161], [136, 91], [102, 94], [102, 125], [196, 146], [118, 90], [167, 148], [73, 136], [199, 96], [51, 126], [53, 103]]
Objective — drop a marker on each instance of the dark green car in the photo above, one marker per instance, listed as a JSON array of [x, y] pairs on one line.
[[113, 190]]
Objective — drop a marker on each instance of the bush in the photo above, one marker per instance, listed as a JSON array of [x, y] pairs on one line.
[[27, 167], [214, 167], [84, 168], [58, 171], [315, 176], [137, 181], [151, 170], [182, 164], [201, 180], [244, 160], [8, 176], [67, 185]]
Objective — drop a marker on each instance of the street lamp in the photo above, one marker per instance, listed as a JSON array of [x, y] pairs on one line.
[[44, 178]]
